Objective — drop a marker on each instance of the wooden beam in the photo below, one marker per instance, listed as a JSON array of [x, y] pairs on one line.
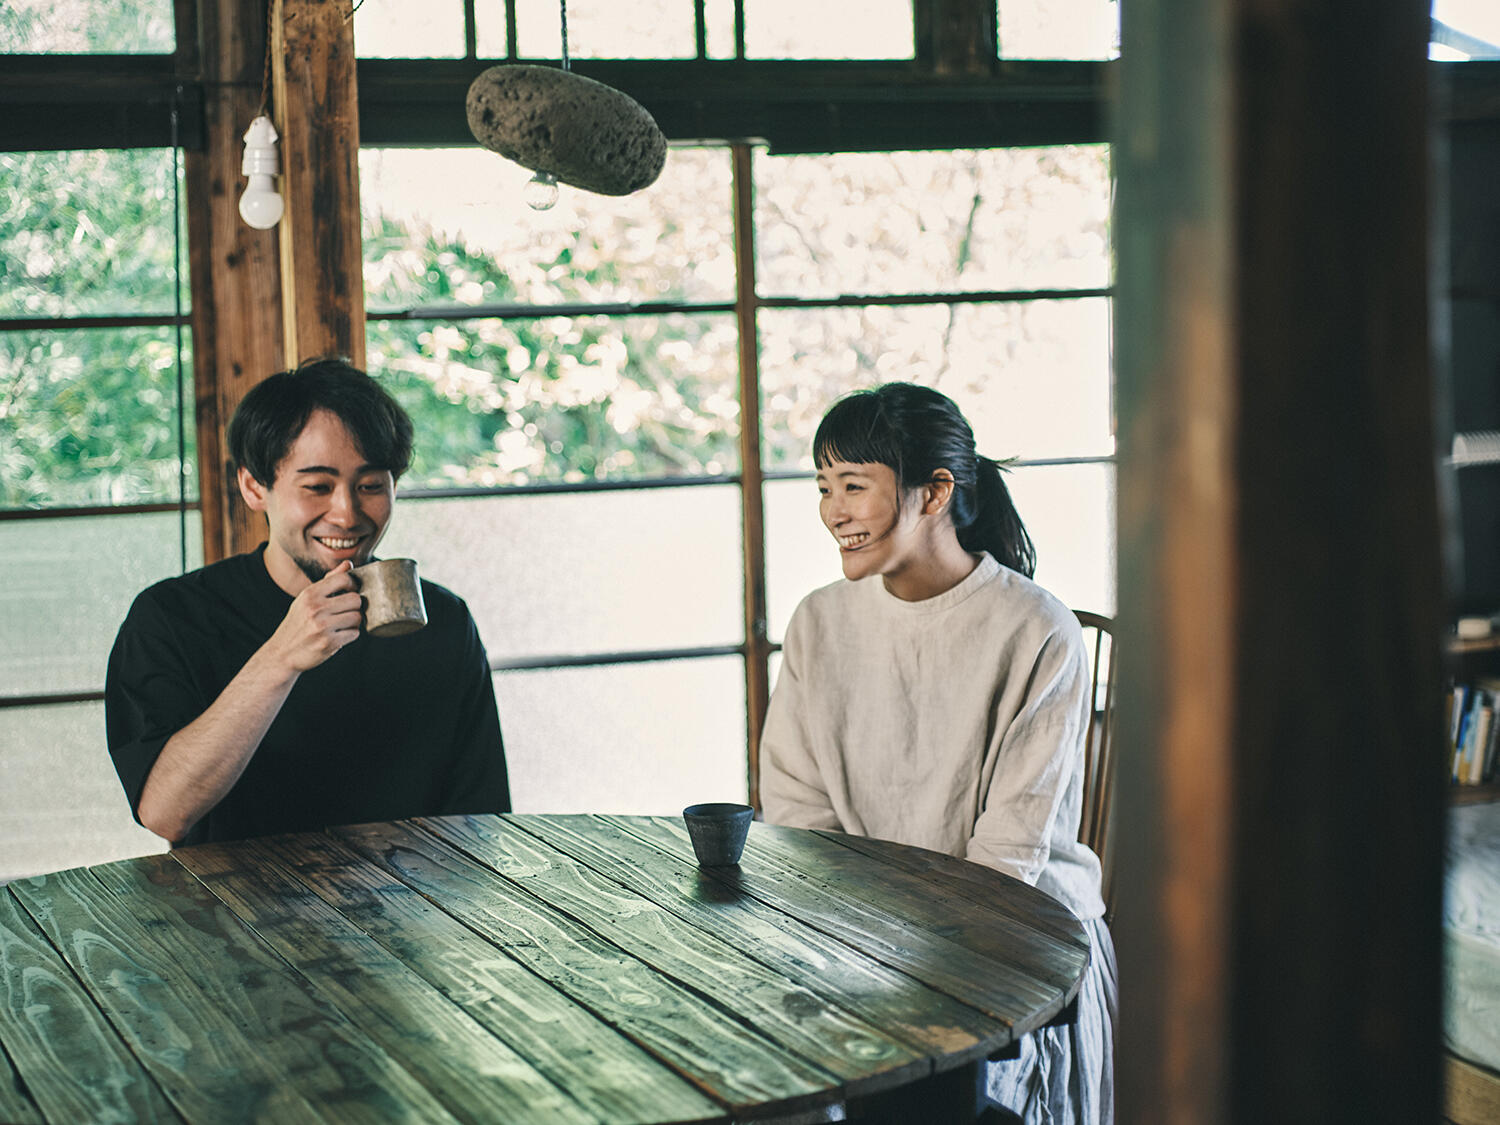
[[317, 116], [236, 314], [1280, 777]]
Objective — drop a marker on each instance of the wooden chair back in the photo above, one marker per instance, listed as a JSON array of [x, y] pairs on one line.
[[1096, 828]]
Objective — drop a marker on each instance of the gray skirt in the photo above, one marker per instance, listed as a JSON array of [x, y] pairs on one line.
[[1066, 1075]]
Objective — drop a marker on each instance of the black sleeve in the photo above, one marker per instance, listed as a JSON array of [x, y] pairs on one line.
[[478, 781], [149, 694]]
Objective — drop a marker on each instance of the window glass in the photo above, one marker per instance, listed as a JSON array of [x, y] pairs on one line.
[[1068, 510], [1058, 29], [565, 399], [928, 222], [449, 226], [89, 417], [85, 27], [626, 738], [607, 29], [794, 29], [1032, 377], [582, 573], [87, 233], [61, 804], [1465, 29], [68, 584], [718, 28], [399, 29]]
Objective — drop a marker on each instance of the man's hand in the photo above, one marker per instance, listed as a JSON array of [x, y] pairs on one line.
[[324, 618]]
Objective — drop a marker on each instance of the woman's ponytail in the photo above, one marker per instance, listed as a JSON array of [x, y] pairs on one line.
[[996, 526]]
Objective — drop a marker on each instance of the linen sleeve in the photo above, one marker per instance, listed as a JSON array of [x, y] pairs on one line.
[[478, 781], [150, 693], [792, 789], [1040, 752]]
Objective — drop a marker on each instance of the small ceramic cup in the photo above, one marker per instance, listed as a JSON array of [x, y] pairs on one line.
[[393, 597], [718, 832]]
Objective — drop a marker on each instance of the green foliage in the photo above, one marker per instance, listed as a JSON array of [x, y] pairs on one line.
[[88, 416], [555, 398]]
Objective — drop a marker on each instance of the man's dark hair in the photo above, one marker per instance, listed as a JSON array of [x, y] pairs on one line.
[[273, 414]]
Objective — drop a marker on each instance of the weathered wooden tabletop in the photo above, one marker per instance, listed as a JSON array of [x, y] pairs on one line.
[[517, 969]]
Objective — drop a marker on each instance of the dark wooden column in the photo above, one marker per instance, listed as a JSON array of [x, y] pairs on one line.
[[236, 276], [317, 115], [1281, 785]]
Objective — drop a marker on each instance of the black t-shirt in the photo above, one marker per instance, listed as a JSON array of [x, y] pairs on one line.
[[388, 727]]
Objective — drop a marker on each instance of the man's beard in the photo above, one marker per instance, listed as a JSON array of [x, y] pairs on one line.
[[314, 570]]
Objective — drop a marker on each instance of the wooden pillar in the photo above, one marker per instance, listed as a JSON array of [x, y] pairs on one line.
[[317, 115], [1280, 779], [264, 300], [236, 316]]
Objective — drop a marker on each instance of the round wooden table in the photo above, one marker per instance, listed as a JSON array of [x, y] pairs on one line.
[[516, 969]]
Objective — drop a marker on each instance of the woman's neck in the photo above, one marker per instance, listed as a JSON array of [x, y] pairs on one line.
[[933, 572]]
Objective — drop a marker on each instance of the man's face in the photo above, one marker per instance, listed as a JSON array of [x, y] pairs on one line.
[[325, 505]]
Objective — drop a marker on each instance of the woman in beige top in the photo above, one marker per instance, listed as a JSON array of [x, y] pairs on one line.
[[939, 697]]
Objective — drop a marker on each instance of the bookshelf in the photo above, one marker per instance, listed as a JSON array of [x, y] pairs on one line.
[[1475, 668]]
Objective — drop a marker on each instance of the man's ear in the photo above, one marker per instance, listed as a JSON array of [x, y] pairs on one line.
[[937, 492], [252, 490]]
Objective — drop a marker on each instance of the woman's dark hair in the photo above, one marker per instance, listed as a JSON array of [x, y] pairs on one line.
[[917, 431], [272, 415]]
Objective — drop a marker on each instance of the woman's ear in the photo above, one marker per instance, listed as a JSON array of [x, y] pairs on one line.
[[937, 492]]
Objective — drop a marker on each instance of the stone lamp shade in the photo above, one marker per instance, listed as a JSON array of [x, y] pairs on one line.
[[579, 131]]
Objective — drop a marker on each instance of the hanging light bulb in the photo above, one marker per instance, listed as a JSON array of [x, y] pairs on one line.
[[260, 206], [540, 192]]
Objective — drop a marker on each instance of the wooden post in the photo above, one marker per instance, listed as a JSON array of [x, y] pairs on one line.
[[1280, 780], [236, 314], [317, 116]]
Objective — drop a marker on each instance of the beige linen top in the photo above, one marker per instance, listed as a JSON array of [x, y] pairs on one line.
[[955, 723]]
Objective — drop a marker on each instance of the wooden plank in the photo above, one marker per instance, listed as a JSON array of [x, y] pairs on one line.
[[863, 1057], [1471, 1094], [599, 1067], [46, 1022], [197, 1055], [317, 116], [998, 989], [733, 1063], [466, 1068], [296, 1037], [931, 1021], [943, 878]]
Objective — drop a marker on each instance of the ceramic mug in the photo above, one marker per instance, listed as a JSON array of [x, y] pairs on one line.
[[392, 597]]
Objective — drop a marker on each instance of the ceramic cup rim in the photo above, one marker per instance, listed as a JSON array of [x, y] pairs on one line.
[[717, 810]]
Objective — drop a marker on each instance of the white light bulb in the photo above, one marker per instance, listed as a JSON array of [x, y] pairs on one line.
[[540, 192], [260, 206]]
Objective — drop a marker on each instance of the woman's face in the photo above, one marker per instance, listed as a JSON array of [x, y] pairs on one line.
[[861, 506]]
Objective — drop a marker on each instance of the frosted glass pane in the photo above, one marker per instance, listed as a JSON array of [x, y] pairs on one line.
[[800, 554], [1070, 512], [933, 222], [607, 29], [794, 29], [631, 738], [87, 233], [490, 40], [581, 573], [1059, 29], [89, 418], [450, 226], [718, 28], [1068, 509], [61, 804], [1033, 378], [87, 27], [68, 584], [399, 29]]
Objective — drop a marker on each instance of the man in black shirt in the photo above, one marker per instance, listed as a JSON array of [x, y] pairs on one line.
[[242, 699]]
